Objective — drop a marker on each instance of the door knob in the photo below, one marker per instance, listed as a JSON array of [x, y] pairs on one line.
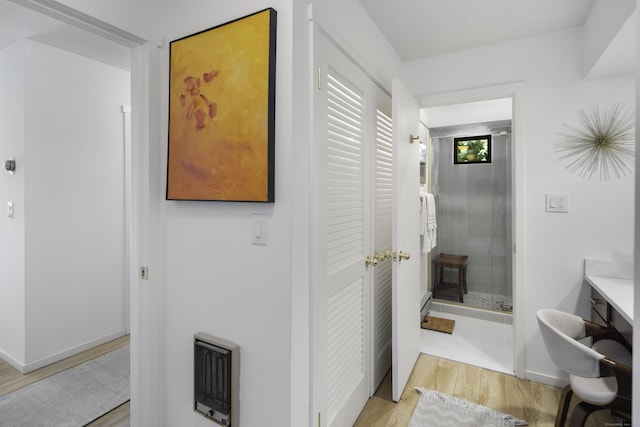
[[404, 255], [370, 261], [381, 256]]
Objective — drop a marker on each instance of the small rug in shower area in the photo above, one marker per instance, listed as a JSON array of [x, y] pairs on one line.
[[438, 324], [435, 409]]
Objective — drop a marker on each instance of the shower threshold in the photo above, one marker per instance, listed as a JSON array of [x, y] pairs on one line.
[[482, 300], [469, 311]]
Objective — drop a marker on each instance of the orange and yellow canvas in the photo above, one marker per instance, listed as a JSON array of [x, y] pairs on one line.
[[221, 112]]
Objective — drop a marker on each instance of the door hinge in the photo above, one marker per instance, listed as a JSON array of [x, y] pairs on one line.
[[144, 273], [319, 77]]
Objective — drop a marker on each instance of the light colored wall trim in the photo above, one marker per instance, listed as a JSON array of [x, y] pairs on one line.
[[301, 365], [82, 20], [146, 249], [126, 279]]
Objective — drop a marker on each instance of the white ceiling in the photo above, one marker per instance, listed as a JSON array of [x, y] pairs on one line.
[[415, 28], [422, 28]]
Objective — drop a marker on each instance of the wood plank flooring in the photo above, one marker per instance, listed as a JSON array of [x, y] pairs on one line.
[[11, 379], [534, 402]]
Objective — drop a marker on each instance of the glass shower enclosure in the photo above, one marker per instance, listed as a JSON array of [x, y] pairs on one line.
[[473, 209]]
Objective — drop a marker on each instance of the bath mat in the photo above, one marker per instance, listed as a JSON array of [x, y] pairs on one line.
[[435, 409], [438, 324]]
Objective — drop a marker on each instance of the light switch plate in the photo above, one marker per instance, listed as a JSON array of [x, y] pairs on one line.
[[259, 229], [557, 202]]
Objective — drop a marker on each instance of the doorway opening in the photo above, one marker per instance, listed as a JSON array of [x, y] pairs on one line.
[[470, 164], [473, 199], [51, 34]]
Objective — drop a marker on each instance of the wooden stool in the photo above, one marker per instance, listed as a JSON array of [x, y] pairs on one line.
[[458, 262]]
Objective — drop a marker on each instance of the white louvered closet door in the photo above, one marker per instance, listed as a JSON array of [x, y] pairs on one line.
[[342, 238], [382, 204]]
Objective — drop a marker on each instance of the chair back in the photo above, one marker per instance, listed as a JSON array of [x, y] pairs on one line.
[[560, 332]]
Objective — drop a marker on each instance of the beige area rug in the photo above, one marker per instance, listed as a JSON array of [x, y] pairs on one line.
[[437, 409], [438, 324]]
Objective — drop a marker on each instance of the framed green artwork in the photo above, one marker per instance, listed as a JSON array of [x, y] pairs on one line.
[[472, 149]]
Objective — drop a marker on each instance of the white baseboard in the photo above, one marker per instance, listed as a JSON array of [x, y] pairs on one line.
[[32, 366], [11, 361], [545, 379]]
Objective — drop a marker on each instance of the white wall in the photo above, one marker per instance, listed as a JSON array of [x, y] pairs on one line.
[[212, 278], [73, 202], [215, 279], [74, 149], [600, 219], [12, 292]]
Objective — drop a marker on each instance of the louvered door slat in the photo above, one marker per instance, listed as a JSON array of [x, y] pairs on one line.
[[344, 174], [344, 122], [345, 212], [382, 322], [344, 344]]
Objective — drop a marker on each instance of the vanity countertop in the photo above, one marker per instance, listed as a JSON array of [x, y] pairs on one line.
[[618, 292], [614, 282]]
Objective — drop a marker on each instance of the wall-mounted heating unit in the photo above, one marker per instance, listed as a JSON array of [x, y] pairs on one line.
[[216, 379]]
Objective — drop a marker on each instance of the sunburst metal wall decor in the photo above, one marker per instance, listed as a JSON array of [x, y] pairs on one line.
[[603, 143]]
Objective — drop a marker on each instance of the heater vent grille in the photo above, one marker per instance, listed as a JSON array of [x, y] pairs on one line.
[[216, 379]]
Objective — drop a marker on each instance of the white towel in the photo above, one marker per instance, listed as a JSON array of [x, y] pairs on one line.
[[431, 226], [423, 214]]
